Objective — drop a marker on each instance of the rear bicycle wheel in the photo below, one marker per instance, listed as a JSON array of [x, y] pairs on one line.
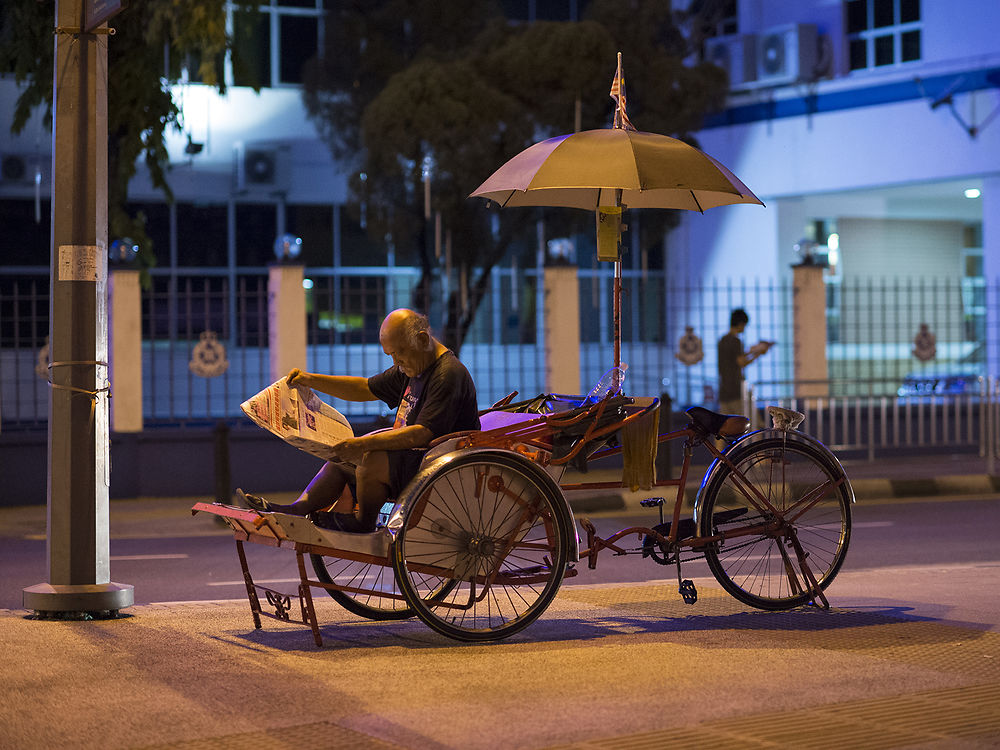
[[492, 531], [808, 488]]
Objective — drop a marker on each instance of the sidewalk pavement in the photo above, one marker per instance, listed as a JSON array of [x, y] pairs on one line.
[[907, 657], [615, 666]]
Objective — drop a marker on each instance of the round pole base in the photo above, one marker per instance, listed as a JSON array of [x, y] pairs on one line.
[[73, 600]]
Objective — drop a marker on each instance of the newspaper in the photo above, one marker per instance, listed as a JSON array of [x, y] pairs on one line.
[[299, 417]]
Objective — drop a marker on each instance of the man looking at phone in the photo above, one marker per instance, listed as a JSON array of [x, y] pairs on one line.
[[732, 360]]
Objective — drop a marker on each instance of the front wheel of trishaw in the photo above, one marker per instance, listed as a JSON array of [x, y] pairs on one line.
[[494, 527], [808, 488]]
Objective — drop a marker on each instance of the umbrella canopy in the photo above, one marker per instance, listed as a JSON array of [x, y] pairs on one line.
[[584, 170]]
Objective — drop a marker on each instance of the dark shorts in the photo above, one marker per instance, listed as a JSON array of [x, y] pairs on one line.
[[403, 466]]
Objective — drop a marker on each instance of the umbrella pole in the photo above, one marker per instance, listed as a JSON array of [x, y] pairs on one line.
[[617, 307], [618, 312]]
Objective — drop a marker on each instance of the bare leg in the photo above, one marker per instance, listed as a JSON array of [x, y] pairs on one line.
[[325, 489], [373, 487]]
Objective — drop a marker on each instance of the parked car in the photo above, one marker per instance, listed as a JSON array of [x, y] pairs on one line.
[[961, 376]]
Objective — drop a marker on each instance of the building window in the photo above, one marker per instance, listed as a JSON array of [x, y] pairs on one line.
[[202, 230], [314, 224], [882, 32], [26, 231], [273, 42], [256, 231], [728, 23], [717, 19]]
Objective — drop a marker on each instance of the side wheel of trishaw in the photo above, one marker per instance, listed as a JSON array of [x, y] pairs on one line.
[[363, 575], [372, 579], [493, 526], [807, 488]]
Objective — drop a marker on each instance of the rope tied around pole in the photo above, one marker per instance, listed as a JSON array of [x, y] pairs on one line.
[[93, 394]]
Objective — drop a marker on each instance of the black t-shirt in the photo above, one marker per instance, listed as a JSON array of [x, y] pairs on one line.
[[442, 398], [730, 372]]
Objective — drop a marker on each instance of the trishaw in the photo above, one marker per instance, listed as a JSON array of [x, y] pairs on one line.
[[478, 543], [480, 540]]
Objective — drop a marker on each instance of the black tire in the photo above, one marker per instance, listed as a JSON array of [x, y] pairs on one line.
[[368, 575], [495, 528], [754, 568]]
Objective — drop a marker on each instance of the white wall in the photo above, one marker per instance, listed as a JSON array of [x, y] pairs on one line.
[[905, 260], [34, 143], [242, 115], [860, 148], [959, 28], [889, 248], [839, 152]]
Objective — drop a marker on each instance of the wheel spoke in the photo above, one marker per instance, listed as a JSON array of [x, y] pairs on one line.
[[373, 578], [808, 491], [503, 521]]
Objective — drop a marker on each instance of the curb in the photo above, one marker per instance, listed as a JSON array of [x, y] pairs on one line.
[[955, 484], [582, 501]]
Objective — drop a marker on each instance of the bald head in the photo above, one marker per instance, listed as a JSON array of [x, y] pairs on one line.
[[405, 336], [408, 324]]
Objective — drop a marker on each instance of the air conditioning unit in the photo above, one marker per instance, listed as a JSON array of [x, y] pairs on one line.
[[736, 54], [21, 169], [262, 167], [787, 54]]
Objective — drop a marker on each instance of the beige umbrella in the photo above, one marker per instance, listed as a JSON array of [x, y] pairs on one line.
[[607, 170], [584, 170]]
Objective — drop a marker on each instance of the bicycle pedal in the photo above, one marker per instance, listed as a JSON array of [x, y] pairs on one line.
[[687, 591], [652, 502]]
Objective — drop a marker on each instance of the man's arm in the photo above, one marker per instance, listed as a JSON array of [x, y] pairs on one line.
[[754, 351], [402, 438], [346, 387]]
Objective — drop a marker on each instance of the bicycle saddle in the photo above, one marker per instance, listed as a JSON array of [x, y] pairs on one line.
[[723, 425]]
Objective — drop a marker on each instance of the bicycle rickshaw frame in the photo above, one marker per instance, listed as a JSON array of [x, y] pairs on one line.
[[520, 452]]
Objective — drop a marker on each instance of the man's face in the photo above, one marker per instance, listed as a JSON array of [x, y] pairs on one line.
[[409, 360]]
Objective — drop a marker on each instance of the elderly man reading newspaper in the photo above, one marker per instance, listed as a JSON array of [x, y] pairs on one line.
[[433, 395]]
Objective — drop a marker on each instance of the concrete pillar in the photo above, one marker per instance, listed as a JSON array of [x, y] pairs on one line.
[[562, 330], [125, 333], [286, 318], [991, 271], [809, 326]]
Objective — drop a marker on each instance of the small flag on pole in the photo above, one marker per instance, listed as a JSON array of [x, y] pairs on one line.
[[618, 94]]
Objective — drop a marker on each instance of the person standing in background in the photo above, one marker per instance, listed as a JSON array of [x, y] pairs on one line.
[[732, 360]]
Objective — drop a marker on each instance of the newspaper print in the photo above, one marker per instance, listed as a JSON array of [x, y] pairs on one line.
[[299, 417]]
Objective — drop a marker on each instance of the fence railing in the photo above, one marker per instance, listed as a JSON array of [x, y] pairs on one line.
[[859, 415], [505, 349]]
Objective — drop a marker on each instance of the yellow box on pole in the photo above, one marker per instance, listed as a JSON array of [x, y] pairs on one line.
[[609, 224]]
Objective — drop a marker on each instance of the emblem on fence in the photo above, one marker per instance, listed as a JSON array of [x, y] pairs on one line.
[[689, 348], [208, 358], [924, 344]]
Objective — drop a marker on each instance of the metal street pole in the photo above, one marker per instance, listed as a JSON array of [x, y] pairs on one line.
[[79, 472]]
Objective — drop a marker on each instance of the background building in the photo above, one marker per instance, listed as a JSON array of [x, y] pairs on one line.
[[872, 122], [868, 127]]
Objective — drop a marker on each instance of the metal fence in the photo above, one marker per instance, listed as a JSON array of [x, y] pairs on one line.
[[869, 346], [873, 421]]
